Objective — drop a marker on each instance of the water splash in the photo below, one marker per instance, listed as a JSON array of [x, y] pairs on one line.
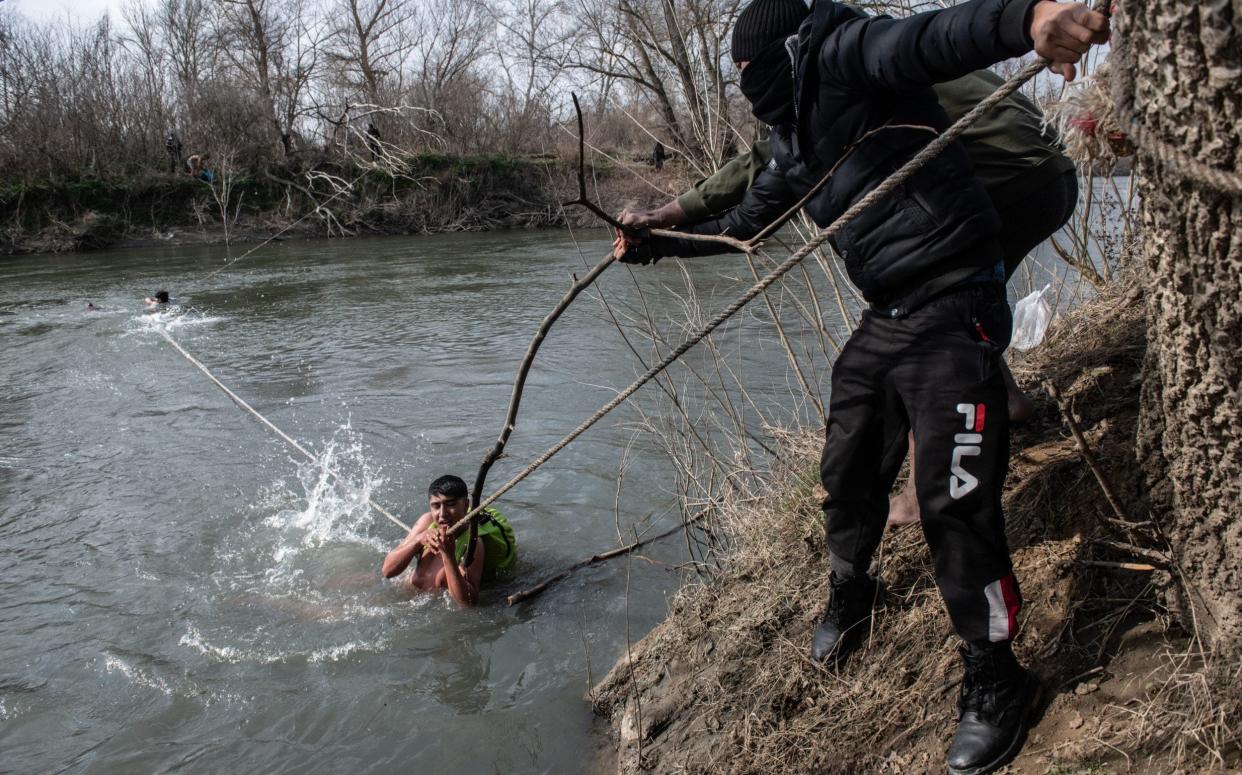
[[300, 579], [170, 319], [330, 510], [145, 677], [135, 675]]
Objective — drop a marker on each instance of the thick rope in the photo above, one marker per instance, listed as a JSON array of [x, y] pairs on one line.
[[893, 181], [284, 436]]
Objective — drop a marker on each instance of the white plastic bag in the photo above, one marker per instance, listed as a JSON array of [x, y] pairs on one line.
[[1031, 317]]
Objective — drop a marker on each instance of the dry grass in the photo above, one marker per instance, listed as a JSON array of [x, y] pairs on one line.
[[725, 684]]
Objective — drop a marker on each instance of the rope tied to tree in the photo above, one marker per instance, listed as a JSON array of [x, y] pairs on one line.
[[1097, 124]]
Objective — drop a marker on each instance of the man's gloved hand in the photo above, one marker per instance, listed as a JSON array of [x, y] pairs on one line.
[[633, 250], [640, 254]]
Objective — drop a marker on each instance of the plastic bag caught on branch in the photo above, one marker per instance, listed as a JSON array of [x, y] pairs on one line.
[[1031, 317]]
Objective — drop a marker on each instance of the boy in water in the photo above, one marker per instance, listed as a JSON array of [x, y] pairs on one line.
[[160, 298], [440, 561]]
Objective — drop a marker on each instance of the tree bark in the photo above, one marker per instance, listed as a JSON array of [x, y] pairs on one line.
[[1184, 84]]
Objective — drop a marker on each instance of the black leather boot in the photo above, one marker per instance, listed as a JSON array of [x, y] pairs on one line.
[[846, 617], [997, 697]]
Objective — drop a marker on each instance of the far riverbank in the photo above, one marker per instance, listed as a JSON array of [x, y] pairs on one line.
[[434, 194]]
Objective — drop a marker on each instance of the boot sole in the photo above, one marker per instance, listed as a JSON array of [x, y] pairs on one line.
[[1015, 745]]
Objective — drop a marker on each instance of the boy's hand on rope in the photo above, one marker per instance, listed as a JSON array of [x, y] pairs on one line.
[[1063, 32], [434, 539]]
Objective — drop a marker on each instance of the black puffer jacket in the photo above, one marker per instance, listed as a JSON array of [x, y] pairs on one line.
[[856, 74]]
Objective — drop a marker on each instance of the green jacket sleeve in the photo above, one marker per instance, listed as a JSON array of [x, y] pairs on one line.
[[725, 189]]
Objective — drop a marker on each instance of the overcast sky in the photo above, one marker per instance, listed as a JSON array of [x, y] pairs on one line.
[[82, 10]]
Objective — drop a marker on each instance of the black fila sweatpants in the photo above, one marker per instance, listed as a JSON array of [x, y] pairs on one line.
[[935, 371]]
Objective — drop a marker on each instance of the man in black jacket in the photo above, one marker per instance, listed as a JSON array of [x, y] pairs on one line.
[[850, 94]]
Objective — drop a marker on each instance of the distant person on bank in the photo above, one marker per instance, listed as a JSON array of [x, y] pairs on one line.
[[173, 147], [443, 562], [197, 167]]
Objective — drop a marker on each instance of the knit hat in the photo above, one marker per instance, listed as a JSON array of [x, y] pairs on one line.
[[763, 21]]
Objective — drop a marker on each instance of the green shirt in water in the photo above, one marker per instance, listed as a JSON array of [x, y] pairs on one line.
[[1012, 152], [499, 543]]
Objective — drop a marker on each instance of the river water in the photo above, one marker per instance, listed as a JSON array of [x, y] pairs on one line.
[[180, 591]]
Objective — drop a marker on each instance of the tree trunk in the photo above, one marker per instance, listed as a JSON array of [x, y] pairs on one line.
[[1186, 59]]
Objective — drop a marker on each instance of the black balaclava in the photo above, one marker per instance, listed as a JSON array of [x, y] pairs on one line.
[[759, 39]]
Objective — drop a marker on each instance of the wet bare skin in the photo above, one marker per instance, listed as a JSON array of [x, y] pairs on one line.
[[429, 574], [431, 550]]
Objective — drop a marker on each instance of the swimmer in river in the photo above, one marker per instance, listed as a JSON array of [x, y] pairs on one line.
[[439, 561], [160, 297], [91, 307]]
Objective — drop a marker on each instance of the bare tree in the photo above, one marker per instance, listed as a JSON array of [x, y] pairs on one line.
[[534, 31], [446, 77], [369, 45], [674, 54], [271, 46]]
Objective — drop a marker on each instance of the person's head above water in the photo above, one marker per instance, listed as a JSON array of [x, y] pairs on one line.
[[160, 297], [758, 49], [448, 499]]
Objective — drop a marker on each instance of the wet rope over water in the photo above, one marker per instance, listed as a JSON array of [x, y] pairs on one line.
[[897, 178], [270, 426], [317, 209]]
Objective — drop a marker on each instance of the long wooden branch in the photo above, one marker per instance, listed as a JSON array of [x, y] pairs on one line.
[[584, 201]]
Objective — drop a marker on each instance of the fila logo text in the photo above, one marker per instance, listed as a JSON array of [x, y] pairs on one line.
[[961, 481]]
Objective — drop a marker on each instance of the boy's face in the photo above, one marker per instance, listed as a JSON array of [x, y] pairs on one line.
[[448, 510]]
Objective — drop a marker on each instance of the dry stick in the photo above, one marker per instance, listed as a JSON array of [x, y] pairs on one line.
[[582, 199], [593, 559], [1087, 455], [1159, 559], [286, 228], [519, 383], [1138, 566], [1086, 269], [894, 180]]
